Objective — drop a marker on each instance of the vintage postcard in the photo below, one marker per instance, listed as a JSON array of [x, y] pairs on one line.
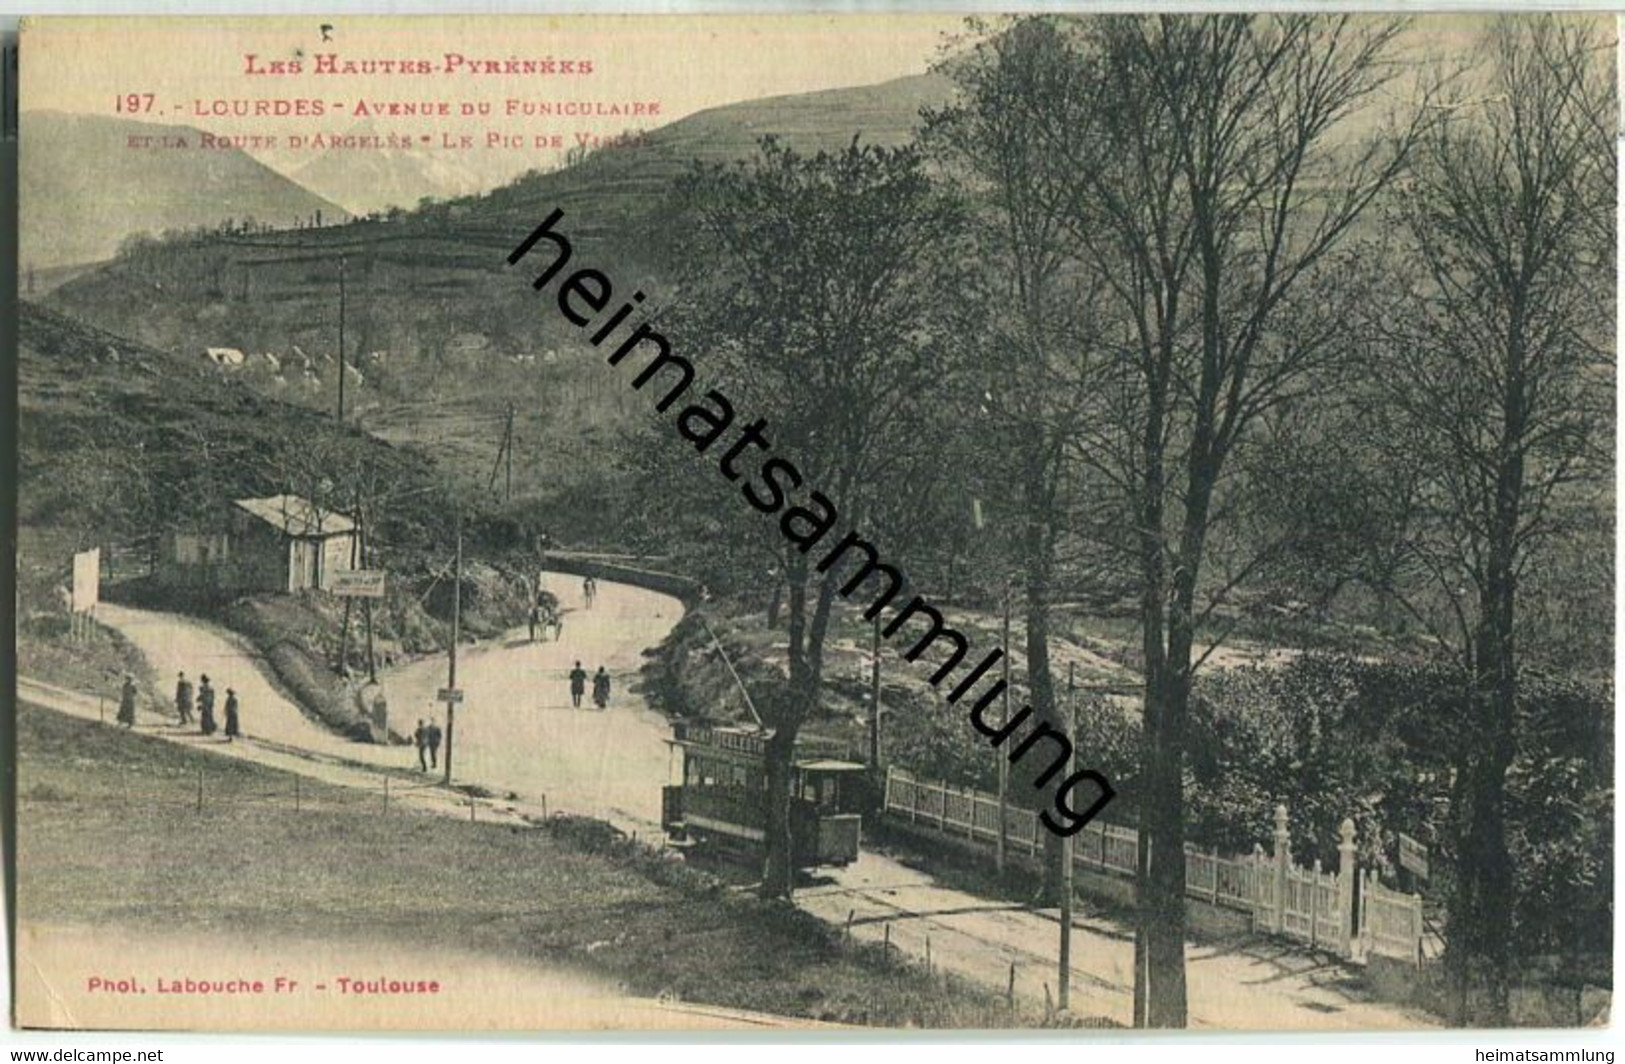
[[816, 521]]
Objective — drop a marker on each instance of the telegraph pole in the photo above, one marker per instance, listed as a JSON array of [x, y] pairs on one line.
[[507, 487], [504, 454], [1003, 762], [874, 701], [366, 604], [456, 633], [1064, 978]]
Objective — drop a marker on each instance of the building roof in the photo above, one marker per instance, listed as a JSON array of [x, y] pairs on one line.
[[294, 516]]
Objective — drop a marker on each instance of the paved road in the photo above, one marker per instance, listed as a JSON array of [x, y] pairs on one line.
[[517, 732]]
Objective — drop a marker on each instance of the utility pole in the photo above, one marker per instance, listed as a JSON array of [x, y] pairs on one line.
[[456, 633], [1003, 762], [1064, 978], [504, 452], [341, 339], [507, 487], [874, 700], [366, 604], [344, 637]]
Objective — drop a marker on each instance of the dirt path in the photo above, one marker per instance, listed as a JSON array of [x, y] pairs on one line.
[[516, 731]]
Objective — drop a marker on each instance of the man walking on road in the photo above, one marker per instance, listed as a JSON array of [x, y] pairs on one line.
[[183, 699], [421, 738], [578, 685], [431, 736]]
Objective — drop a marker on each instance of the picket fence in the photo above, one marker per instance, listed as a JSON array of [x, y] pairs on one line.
[[1347, 911]]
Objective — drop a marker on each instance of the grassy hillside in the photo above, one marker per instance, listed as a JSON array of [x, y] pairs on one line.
[[108, 836], [120, 441], [443, 333]]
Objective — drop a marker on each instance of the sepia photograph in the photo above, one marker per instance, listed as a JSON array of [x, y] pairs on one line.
[[816, 523]]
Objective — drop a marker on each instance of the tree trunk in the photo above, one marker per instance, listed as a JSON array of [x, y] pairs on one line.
[[1039, 549], [773, 605], [778, 868], [1148, 952], [806, 678], [1481, 918]]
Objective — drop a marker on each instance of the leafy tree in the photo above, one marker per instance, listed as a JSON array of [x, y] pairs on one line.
[[831, 310]]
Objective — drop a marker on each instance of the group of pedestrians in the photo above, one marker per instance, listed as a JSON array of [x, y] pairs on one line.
[[184, 704], [427, 738], [600, 686]]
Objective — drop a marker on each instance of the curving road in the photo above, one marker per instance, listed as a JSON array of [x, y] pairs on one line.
[[516, 729], [517, 732]]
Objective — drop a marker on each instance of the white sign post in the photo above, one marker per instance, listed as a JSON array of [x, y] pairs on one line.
[[1413, 856], [87, 587]]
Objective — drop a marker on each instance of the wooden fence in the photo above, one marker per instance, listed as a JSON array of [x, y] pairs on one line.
[[1345, 912]]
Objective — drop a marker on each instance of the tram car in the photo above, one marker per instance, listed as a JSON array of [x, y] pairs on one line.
[[721, 801]]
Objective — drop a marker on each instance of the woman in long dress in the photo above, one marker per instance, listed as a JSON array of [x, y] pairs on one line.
[[126, 702], [205, 706], [233, 724]]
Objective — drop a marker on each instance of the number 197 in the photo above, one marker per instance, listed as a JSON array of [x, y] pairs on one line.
[[134, 103]]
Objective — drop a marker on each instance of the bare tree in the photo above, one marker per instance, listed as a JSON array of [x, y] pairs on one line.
[[1212, 191], [1019, 89], [1499, 375]]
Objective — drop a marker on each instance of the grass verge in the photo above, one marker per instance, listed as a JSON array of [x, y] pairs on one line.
[[110, 833]]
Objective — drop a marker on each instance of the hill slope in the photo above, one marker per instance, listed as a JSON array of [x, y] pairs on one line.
[[85, 188], [431, 295]]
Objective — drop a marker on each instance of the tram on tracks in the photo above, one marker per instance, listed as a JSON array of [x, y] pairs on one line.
[[721, 801]]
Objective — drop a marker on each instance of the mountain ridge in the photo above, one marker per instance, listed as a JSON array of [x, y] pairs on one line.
[[85, 187]]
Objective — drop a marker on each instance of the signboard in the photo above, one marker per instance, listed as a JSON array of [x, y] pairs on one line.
[[87, 579], [1413, 856], [449, 695], [357, 583]]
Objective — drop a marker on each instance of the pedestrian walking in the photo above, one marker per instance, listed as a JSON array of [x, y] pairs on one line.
[[535, 620], [183, 699], [578, 685], [234, 723], [558, 626], [600, 688], [431, 735], [421, 739], [205, 706], [126, 702], [587, 591]]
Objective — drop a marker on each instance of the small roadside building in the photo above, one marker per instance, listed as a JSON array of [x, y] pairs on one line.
[[280, 543]]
